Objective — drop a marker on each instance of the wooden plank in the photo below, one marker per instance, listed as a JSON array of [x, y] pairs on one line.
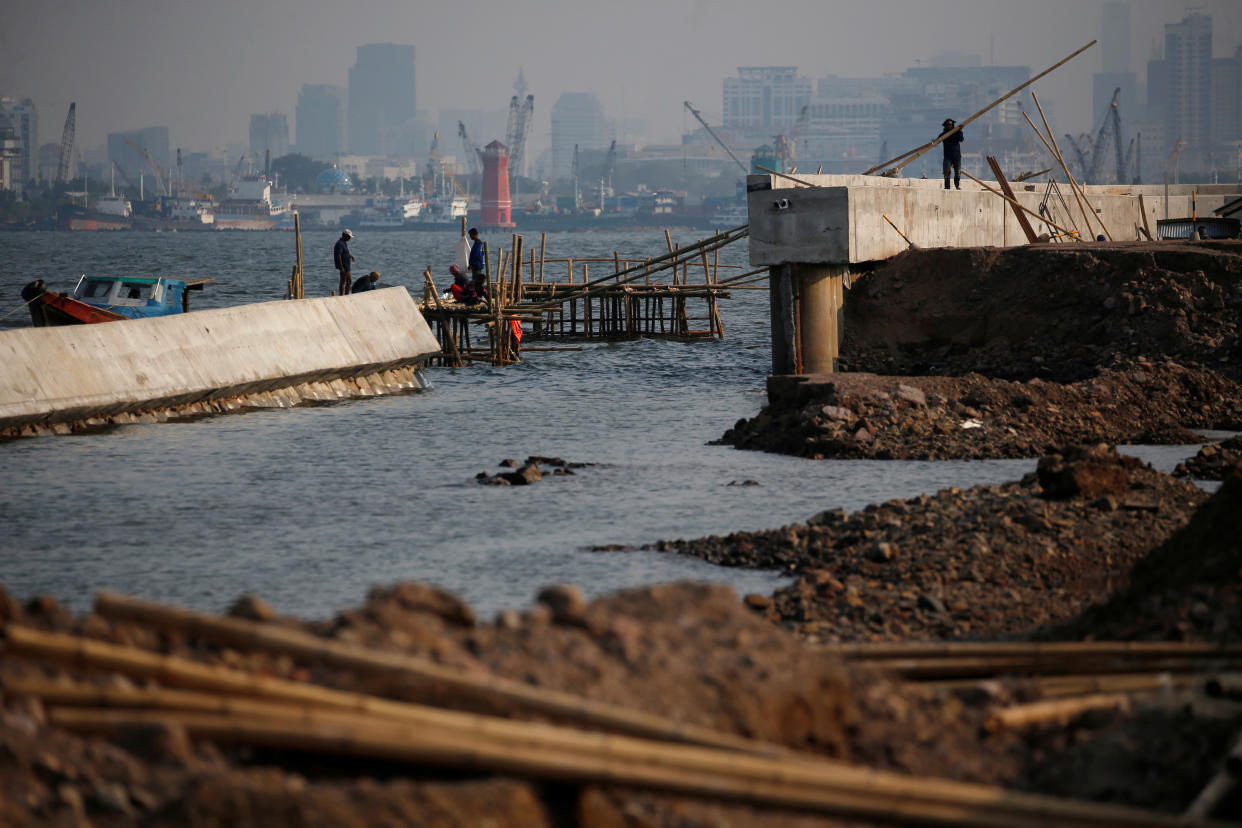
[[1031, 238]]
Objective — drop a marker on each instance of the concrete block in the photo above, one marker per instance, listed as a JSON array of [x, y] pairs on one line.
[[70, 373]]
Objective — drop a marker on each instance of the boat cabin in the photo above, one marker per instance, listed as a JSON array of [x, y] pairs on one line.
[[137, 297]]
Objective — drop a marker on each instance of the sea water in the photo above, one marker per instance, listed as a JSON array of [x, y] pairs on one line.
[[310, 507]]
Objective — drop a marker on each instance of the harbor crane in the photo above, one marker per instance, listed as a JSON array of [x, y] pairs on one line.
[[712, 133], [1101, 141], [610, 164], [472, 152], [521, 116], [66, 144], [162, 180]]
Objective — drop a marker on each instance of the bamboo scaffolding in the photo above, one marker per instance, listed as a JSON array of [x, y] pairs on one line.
[[824, 787], [1081, 685], [249, 635], [1047, 649]]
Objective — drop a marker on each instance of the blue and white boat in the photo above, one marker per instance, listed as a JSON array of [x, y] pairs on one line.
[[110, 298]]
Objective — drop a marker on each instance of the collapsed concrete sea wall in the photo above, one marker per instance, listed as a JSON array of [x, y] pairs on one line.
[[261, 355]]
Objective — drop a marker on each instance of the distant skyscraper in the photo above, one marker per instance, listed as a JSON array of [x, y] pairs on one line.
[[10, 154], [577, 120], [381, 94], [1188, 64], [25, 122], [320, 120], [153, 139], [766, 98], [1115, 37], [269, 133]]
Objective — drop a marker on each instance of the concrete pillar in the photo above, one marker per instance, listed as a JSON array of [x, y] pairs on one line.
[[807, 303], [784, 319], [819, 300]]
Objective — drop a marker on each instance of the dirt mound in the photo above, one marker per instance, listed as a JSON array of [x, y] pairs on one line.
[[1058, 312], [1214, 461], [1189, 587], [931, 418], [987, 562]]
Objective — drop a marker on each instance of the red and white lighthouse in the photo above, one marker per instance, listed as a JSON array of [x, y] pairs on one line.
[[495, 204]]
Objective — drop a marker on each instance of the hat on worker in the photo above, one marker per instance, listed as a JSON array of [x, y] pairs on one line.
[[948, 121], [349, 234]]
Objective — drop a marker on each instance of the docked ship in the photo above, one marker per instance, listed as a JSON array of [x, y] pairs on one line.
[[396, 214], [250, 207]]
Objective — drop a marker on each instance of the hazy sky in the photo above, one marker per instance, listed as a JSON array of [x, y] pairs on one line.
[[202, 66]]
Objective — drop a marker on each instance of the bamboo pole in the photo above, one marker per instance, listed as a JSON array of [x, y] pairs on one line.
[[1003, 182], [299, 286], [444, 321], [823, 787], [1017, 205], [249, 635], [543, 248], [1056, 710], [1047, 649], [1072, 181], [918, 151]]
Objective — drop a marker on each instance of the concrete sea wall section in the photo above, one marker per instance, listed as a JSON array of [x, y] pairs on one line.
[[271, 354], [840, 220]]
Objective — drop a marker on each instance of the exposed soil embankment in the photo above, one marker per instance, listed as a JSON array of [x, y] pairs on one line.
[[1058, 312], [982, 353]]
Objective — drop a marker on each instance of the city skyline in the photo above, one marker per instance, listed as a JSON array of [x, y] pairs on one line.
[[202, 74]]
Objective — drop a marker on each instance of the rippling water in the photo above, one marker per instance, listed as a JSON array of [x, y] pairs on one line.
[[310, 507]]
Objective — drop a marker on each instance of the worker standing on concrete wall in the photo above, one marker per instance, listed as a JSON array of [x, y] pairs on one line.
[[952, 153], [341, 259]]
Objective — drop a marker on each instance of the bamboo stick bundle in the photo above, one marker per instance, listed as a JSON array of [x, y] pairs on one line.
[[820, 786], [249, 635]]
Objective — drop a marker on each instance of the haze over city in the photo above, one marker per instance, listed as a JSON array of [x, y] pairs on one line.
[[202, 69]]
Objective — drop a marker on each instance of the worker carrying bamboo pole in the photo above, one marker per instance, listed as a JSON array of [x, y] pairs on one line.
[[952, 152]]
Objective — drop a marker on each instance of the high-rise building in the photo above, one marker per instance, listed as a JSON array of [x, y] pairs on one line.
[[577, 120], [1115, 37], [10, 154], [132, 162], [24, 118], [1188, 65], [381, 94], [765, 98], [269, 133], [320, 120]]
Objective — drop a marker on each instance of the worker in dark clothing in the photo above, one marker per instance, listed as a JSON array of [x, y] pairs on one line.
[[952, 153], [366, 282], [477, 264], [340, 260]]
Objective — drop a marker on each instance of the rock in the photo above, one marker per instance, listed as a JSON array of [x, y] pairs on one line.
[[526, 475], [414, 596], [508, 619], [508, 463], [881, 552], [932, 604], [498, 480], [911, 394], [566, 602], [743, 483], [757, 602], [836, 412], [250, 606]]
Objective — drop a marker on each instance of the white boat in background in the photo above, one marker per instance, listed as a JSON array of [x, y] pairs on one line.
[[250, 207]]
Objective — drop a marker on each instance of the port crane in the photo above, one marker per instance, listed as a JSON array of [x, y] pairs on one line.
[[66, 144], [472, 152], [712, 133], [162, 179], [521, 116]]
